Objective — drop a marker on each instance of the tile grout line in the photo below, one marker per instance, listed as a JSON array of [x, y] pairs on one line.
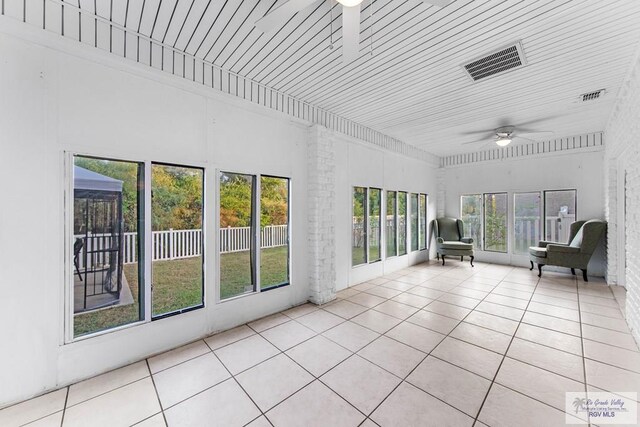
[[157, 394], [584, 363], [64, 409], [238, 383], [423, 359], [504, 356]]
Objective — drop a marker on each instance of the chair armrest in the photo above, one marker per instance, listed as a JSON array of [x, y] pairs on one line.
[[562, 249], [467, 240], [440, 240], [544, 243]]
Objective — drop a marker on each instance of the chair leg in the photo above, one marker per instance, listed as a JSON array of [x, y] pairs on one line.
[[540, 269], [584, 275], [531, 265], [573, 271], [442, 259], [471, 261], [461, 258], [438, 255]]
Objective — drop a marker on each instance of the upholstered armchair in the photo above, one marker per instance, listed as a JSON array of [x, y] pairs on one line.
[[583, 239], [449, 240]]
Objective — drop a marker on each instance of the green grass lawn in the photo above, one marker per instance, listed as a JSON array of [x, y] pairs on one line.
[[235, 271], [177, 284]]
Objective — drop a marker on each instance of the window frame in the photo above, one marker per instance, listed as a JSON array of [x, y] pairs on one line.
[[365, 234], [145, 242], [513, 218], [203, 240], [368, 223], [406, 222], [417, 225], [484, 222], [394, 221], [422, 214], [257, 240], [544, 208], [481, 238], [288, 281]]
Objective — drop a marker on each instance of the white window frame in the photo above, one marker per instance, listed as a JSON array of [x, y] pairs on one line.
[[146, 242]]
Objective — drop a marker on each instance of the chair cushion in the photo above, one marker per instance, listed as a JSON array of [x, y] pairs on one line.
[[538, 251], [460, 246]]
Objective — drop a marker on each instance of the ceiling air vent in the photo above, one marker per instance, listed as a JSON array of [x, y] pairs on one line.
[[592, 95], [497, 62]]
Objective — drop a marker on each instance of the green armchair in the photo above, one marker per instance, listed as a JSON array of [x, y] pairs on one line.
[[449, 240], [583, 239]]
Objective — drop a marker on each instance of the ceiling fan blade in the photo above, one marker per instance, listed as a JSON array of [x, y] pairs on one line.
[[516, 137], [476, 132], [278, 17], [521, 131], [350, 33], [485, 140]]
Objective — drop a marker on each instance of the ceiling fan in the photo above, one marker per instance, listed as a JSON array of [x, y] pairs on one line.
[[506, 134], [350, 21]]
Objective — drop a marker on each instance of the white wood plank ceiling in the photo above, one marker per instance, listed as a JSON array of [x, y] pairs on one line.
[[408, 81]]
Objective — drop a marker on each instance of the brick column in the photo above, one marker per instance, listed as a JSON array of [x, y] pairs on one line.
[[321, 210]]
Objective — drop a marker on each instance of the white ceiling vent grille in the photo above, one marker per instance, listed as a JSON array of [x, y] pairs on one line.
[[497, 62], [592, 95]]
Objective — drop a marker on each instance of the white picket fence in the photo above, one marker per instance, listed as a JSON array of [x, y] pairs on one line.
[[178, 244], [527, 230]]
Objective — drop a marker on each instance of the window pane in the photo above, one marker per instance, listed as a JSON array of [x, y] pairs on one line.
[[495, 222], [422, 211], [358, 236], [375, 206], [108, 228], [274, 229], [402, 223], [414, 222], [527, 222], [176, 214], [471, 215], [559, 213], [391, 224], [237, 243]]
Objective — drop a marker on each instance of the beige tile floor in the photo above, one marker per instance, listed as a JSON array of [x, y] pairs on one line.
[[429, 345]]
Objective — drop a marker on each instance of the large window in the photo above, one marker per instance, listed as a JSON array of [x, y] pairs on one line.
[[274, 231], [413, 211], [471, 215], [176, 216], [559, 213], [402, 223], [358, 232], [108, 229], [254, 233], [422, 213], [495, 222], [391, 225], [237, 236], [527, 223], [373, 231], [485, 218]]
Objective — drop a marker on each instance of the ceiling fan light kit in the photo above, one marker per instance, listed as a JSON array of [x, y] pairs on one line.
[[503, 142]]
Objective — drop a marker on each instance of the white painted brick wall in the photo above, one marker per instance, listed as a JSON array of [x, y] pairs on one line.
[[321, 199], [623, 140], [442, 192]]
